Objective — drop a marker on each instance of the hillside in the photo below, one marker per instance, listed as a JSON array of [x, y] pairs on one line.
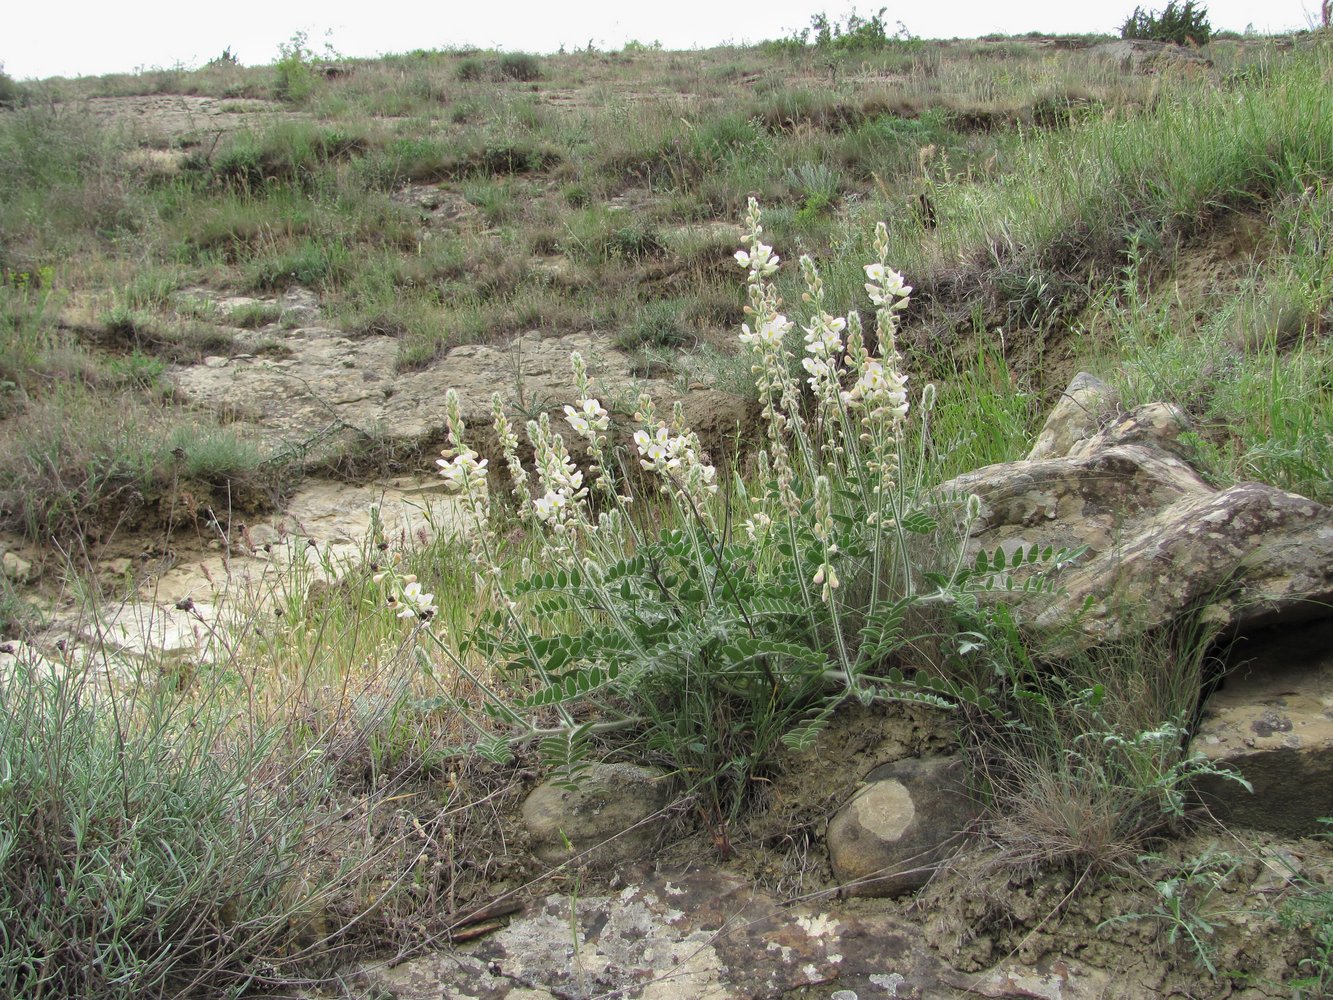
[[244, 310]]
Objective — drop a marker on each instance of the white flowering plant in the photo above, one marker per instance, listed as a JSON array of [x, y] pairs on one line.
[[731, 615]]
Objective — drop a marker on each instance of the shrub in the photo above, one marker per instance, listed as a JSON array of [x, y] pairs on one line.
[[712, 627], [11, 94], [294, 78], [471, 70], [520, 66], [1182, 24], [855, 34]]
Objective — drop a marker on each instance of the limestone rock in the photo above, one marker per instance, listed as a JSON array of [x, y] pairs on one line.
[[15, 568], [1079, 499], [1160, 540], [908, 816], [680, 936], [1084, 408], [1272, 721], [300, 307], [611, 818], [340, 390], [1250, 555]]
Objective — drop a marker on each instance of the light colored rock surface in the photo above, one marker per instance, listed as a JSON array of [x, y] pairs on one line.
[[1082, 410], [1250, 555], [183, 118], [183, 611], [615, 815], [908, 816], [1160, 540], [1272, 721], [335, 390], [706, 934]]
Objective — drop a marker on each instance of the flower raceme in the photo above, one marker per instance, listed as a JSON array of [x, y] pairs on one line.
[[588, 417], [823, 337], [674, 455], [761, 261], [886, 288], [464, 473], [769, 333], [877, 387]]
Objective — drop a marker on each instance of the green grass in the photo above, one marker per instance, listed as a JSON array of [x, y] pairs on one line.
[[73, 471], [1251, 364], [152, 849]]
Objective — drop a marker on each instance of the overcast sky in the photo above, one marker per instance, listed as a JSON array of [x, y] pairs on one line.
[[87, 37]]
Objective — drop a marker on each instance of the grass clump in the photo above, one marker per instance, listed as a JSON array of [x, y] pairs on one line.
[[659, 324], [147, 849], [73, 471], [1091, 767], [1252, 372], [253, 315], [519, 67], [137, 860]]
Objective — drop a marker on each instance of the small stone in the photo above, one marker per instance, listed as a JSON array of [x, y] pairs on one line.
[[904, 821], [615, 815], [16, 568]]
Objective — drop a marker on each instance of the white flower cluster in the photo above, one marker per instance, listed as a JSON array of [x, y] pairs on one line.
[[761, 261], [462, 470], [464, 473], [675, 456], [769, 333], [409, 597], [886, 288], [823, 337], [879, 388], [561, 480], [823, 342], [588, 418]]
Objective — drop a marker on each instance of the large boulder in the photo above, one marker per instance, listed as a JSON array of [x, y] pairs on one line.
[[1160, 541], [908, 817], [614, 814]]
